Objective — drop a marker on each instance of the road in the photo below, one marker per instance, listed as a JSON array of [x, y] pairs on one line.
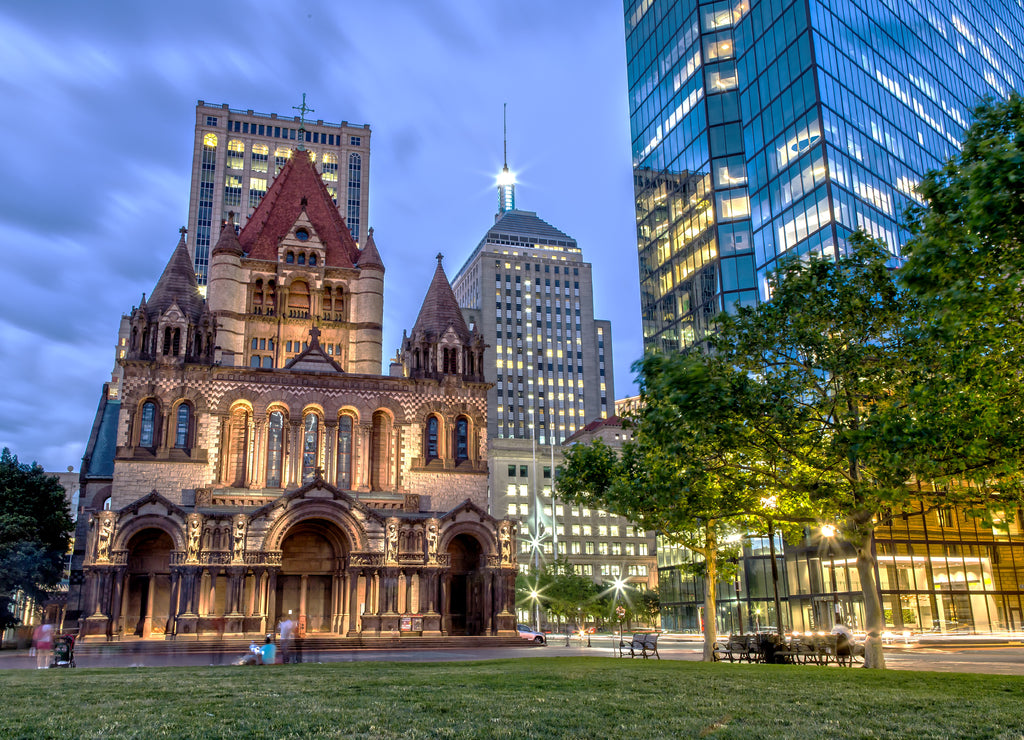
[[1006, 660]]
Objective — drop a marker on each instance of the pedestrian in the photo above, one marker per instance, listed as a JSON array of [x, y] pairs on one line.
[[286, 629], [43, 641]]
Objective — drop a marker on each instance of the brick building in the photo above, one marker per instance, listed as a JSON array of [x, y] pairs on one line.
[[255, 463]]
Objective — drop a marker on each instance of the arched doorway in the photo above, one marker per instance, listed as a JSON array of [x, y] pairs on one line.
[[466, 595], [309, 583], [147, 589]]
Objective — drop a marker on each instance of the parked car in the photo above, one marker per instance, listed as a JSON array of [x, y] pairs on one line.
[[528, 633]]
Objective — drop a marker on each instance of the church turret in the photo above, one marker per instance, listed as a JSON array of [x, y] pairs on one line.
[[174, 325], [368, 309], [441, 345], [227, 294]]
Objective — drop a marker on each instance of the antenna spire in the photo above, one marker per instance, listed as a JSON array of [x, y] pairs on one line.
[[506, 180]]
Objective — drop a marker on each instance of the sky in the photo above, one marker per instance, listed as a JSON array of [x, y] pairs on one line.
[[99, 118]]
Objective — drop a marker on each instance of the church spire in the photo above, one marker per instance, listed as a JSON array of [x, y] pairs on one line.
[[506, 180]]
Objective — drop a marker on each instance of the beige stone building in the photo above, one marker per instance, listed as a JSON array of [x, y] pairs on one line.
[[256, 465]]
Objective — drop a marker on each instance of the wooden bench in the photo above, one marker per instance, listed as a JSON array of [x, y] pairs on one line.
[[643, 645]]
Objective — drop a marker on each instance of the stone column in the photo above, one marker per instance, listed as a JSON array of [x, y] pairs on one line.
[[364, 458], [330, 461], [353, 601], [259, 463], [116, 605], [294, 454], [147, 622], [272, 599], [173, 604], [303, 590]]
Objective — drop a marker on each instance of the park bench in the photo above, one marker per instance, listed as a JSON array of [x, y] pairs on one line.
[[643, 645], [735, 649]]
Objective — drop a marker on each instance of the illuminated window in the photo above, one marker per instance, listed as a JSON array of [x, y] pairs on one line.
[[258, 158], [355, 179], [232, 191], [257, 189], [236, 155], [281, 157], [330, 167]]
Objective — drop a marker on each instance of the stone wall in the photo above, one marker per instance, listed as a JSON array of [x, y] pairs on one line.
[[133, 480], [441, 490]]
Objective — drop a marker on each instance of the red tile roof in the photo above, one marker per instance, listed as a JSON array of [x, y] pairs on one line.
[[298, 187], [440, 309]]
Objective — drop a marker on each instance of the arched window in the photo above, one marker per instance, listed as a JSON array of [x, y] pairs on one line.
[[312, 260], [275, 448], [281, 157], [380, 457], [330, 167], [345, 452], [289, 258], [106, 504], [258, 157], [147, 430], [181, 428], [462, 439], [236, 154], [298, 300], [432, 429], [302, 259], [310, 446]]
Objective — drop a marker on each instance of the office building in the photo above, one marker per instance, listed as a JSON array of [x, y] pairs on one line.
[[767, 129], [238, 154], [762, 130]]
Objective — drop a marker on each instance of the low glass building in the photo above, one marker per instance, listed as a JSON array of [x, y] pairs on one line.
[[939, 571]]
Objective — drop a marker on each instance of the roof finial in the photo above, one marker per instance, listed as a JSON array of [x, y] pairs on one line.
[[439, 258], [182, 231], [303, 110]]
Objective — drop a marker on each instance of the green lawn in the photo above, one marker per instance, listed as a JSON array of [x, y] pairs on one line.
[[537, 697]]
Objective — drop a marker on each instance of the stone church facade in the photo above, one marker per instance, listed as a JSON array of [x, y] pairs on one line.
[[262, 467]]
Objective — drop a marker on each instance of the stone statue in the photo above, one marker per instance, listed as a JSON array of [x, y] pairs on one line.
[[391, 543], [505, 541], [432, 543], [195, 531], [238, 539], [104, 537]]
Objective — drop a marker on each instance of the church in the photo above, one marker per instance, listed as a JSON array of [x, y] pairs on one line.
[[256, 465]]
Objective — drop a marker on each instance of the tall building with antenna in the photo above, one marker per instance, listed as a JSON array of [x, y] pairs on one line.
[[238, 153], [528, 290]]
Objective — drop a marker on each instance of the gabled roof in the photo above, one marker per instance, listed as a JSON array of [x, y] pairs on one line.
[[178, 285], [440, 310], [611, 421], [313, 359], [298, 187]]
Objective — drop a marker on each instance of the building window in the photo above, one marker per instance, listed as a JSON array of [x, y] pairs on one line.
[[462, 439], [281, 157], [355, 179], [181, 429], [147, 431], [329, 170], [211, 121], [511, 471], [275, 448], [354, 141], [432, 429], [236, 155], [310, 446], [258, 158], [345, 452]]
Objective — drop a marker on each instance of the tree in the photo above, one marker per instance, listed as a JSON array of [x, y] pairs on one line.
[[966, 267], [567, 594], [35, 526], [676, 475]]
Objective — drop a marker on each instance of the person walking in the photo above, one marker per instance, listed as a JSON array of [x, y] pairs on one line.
[[43, 641], [287, 631]]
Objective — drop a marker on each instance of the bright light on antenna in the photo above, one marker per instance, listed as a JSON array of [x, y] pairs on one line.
[[506, 177]]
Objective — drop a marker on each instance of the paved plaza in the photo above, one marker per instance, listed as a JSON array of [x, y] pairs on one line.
[[1004, 659]]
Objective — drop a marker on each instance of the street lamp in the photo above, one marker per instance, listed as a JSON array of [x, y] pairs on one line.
[[769, 503], [535, 596], [620, 611], [828, 531]]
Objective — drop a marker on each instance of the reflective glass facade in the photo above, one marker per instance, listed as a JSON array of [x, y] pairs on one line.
[[772, 127], [766, 128]]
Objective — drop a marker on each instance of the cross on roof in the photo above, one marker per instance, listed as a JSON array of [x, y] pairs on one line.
[[303, 109]]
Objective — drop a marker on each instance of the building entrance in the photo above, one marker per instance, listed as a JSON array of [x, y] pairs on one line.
[[466, 600], [309, 583]]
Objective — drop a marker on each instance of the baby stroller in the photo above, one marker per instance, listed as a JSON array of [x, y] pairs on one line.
[[63, 652]]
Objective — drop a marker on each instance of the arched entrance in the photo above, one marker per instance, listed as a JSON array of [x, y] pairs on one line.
[[147, 593], [466, 595], [309, 583]]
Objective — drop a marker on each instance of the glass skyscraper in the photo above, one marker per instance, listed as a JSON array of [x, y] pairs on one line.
[[769, 128]]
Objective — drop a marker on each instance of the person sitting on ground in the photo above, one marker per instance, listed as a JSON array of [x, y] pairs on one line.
[[268, 652], [253, 657]]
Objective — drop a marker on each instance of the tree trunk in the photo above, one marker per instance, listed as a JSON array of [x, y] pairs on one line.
[[874, 618], [710, 610]]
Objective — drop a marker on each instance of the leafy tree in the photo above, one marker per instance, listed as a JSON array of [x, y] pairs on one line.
[[966, 266], [567, 594], [35, 525], [674, 475]]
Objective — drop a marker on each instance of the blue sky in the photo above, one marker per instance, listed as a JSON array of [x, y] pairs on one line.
[[98, 116]]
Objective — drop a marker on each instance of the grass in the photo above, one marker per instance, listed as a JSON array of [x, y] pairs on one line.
[[535, 698]]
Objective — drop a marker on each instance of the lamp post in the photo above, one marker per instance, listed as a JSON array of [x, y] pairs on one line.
[[769, 503], [620, 611], [828, 531], [535, 596]]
